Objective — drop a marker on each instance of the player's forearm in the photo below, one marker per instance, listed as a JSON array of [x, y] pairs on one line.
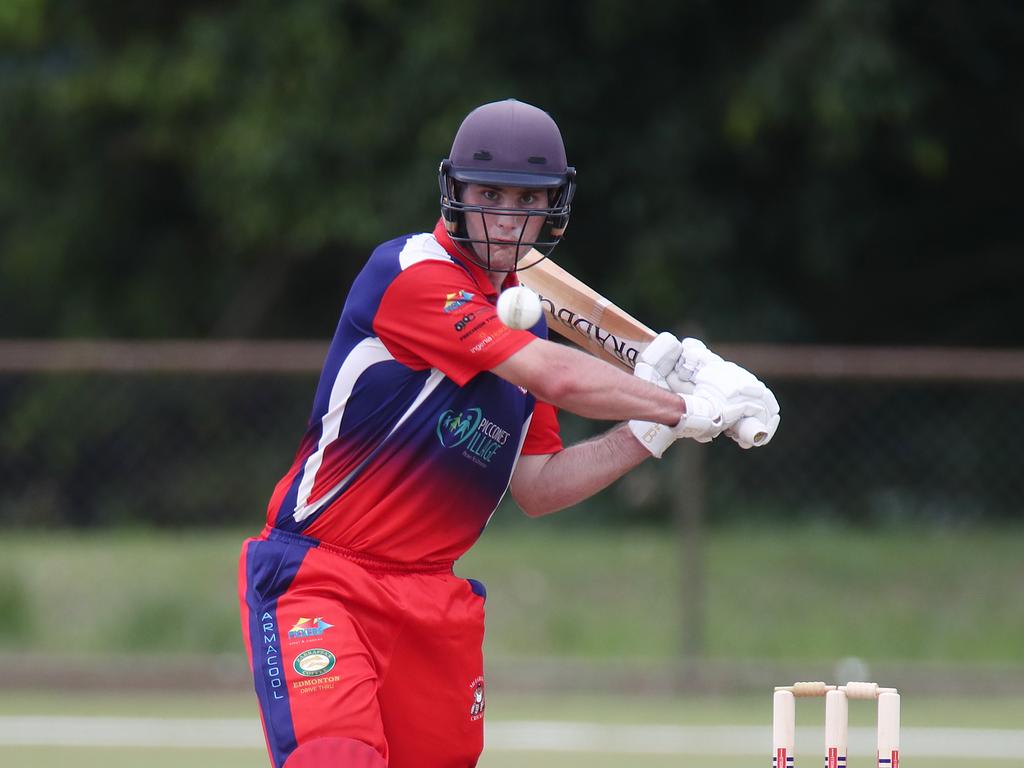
[[576, 382], [546, 484], [597, 390]]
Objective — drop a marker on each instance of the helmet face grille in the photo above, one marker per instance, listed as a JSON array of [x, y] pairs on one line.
[[454, 212], [507, 144]]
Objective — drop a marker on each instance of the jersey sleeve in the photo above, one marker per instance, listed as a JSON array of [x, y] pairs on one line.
[[544, 435], [432, 315]]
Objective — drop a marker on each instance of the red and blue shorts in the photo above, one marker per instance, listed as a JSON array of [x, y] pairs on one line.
[[356, 656]]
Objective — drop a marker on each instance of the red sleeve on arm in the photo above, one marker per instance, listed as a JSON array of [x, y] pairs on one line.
[[543, 436], [433, 316]]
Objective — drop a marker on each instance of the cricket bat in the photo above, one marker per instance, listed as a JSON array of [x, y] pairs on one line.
[[580, 314]]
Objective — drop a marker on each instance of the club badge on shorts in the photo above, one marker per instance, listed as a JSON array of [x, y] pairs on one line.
[[476, 711]]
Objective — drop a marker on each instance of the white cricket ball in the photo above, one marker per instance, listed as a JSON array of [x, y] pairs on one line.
[[519, 307]]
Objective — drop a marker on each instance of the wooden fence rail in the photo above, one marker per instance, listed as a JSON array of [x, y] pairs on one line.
[[770, 361]]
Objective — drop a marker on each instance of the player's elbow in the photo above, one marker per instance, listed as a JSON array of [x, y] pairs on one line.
[[557, 384], [531, 487], [535, 506], [525, 499], [545, 369], [531, 510]]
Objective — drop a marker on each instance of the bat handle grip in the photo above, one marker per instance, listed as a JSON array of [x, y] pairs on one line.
[[751, 430]]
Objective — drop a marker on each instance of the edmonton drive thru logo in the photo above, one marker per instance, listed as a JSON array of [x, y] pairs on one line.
[[481, 437]]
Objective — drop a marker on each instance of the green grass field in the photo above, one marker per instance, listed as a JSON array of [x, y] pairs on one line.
[[229, 758], [942, 597], [1004, 713], [746, 709], [946, 595]]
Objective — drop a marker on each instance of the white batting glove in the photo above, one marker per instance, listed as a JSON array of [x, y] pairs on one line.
[[739, 390], [702, 422], [704, 419], [718, 395], [655, 437], [694, 356], [748, 432], [751, 432], [751, 411], [655, 364], [659, 360]]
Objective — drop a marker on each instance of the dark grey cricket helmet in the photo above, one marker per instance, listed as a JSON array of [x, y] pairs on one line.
[[508, 144]]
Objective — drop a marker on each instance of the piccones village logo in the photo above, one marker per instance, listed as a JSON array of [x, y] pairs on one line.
[[482, 438], [453, 429]]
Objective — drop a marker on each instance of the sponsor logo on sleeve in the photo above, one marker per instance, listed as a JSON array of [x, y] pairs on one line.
[[487, 336], [453, 301], [465, 320], [466, 324]]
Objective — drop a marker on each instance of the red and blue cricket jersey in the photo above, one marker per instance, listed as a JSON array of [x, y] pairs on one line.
[[365, 646], [412, 441]]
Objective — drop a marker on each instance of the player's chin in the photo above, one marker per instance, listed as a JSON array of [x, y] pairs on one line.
[[505, 256]]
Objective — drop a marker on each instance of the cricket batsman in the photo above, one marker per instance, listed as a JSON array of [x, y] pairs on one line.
[[365, 647]]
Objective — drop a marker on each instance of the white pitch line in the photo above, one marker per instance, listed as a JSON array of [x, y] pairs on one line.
[[191, 733], [504, 736], [510, 736]]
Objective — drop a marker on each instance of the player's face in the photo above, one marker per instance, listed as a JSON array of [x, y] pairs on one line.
[[503, 230]]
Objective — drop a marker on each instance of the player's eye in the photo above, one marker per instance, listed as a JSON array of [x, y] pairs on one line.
[[489, 195]]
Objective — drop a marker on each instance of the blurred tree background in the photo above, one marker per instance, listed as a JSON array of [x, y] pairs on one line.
[[837, 171], [797, 171]]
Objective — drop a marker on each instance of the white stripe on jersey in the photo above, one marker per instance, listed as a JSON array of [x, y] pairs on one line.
[[422, 248], [366, 353], [515, 463]]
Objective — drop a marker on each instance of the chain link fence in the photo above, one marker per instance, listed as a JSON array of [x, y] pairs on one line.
[[198, 434]]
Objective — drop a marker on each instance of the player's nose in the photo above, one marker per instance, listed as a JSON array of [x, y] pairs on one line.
[[509, 222]]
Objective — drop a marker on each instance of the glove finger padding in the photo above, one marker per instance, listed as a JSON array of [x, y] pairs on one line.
[[677, 384], [746, 404], [658, 360], [728, 379], [694, 356], [740, 394], [703, 419]]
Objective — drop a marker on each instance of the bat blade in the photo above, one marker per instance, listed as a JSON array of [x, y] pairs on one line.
[[580, 314]]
